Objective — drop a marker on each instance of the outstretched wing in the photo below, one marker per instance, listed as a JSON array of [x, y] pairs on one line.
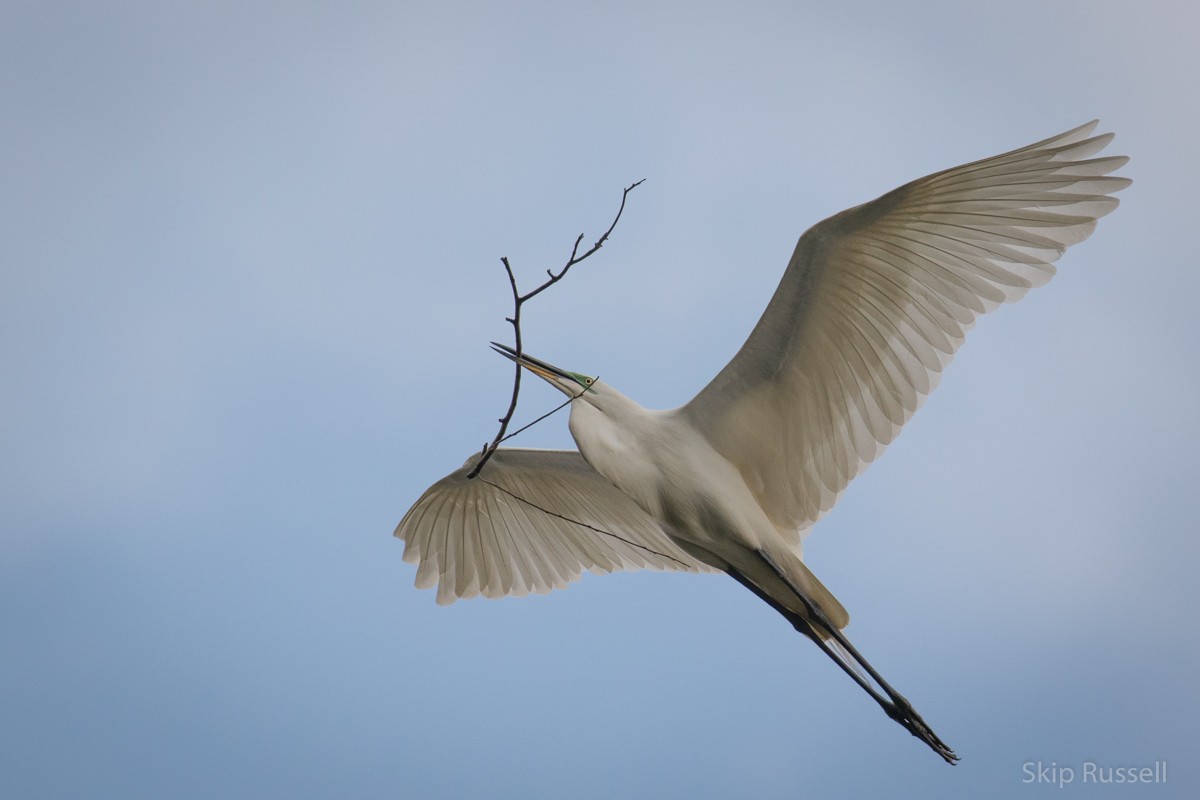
[[873, 305], [532, 521]]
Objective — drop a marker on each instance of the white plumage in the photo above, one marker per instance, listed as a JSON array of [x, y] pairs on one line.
[[490, 536], [872, 306]]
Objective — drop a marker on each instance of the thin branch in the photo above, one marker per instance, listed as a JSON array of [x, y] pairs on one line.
[[585, 525], [575, 258], [554, 410], [515, 320]]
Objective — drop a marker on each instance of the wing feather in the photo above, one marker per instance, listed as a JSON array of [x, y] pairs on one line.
[[874, 304], [533, 521]]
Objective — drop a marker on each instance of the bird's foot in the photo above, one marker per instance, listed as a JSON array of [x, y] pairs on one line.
[[902, 712]]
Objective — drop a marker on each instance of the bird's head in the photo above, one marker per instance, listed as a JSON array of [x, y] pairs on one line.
[[572, 384]]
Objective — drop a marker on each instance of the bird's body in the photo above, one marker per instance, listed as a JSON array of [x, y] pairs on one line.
[[871, 307], [659, 460], [676, 477]]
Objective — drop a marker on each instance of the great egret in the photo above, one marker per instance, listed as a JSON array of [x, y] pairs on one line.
[[871, 307]]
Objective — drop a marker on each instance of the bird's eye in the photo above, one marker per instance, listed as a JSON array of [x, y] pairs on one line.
[[588, 381]]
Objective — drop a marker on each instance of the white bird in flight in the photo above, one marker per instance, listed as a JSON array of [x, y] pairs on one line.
[[871, 308]]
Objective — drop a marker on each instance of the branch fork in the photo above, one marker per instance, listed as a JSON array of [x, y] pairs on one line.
[[519, 300]]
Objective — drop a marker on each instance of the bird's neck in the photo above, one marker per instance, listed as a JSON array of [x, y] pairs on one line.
[[618, 440]]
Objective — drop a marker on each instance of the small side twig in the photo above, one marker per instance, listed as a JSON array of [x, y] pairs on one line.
[[515, 320], [592, 528]]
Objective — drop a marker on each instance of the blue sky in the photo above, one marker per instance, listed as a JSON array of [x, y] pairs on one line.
[[249, 267]]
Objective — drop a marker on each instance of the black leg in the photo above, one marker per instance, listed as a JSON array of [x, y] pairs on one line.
[[816, 626]]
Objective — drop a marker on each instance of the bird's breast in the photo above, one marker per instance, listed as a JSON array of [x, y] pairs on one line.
[[671, 471]]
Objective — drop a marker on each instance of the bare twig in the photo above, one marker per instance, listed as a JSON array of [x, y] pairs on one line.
[[515, 320], [600, 531], [554, 410]]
